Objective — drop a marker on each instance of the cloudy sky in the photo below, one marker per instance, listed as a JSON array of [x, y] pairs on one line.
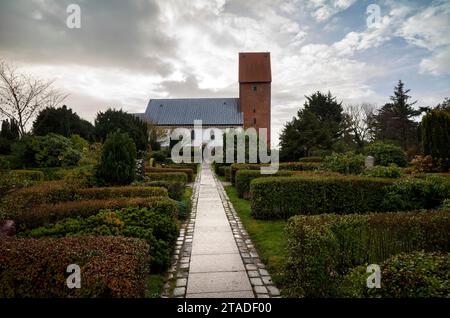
[[127, 52]]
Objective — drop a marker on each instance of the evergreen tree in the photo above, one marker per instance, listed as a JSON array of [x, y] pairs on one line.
[[394, 121], [62, 121], [319, 125], [436, 137]]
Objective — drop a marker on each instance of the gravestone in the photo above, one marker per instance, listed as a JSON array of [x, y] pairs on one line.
[[370, 162]]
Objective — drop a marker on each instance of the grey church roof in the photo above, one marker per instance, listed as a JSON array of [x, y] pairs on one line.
[[180, 112]]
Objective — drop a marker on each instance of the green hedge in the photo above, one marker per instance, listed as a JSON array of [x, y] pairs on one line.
[[311, 159], [168, 176], [120, 192], [407, 275], [110, 267], [291, 166], [244, 177], [52, 192], [282, 197], [188, 172], [158, 229], [175, 189], [324, 248], [227, 173], [49, 213], [32, 175], [193, 166]]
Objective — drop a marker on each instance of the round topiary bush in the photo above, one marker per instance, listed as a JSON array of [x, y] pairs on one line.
[[118, 160], [387, 154]]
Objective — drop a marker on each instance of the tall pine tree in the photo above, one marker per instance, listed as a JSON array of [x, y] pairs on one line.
[[394, 121]]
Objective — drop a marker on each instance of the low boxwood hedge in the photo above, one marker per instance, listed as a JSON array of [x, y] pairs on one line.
[[406, 275], [49, 213], [193, 166], [110, 267], [244, 177], [188, 172], [32, 175], [227, 173], [148, 223], [26, 199], [282, 197], [168, 176], [291, 166], [324, 248], [175, 189]]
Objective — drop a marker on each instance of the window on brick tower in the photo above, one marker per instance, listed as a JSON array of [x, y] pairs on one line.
[[212, 135], [192, 134], [254, 88], [254, 121]]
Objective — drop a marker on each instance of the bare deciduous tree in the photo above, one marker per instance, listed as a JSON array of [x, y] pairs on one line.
[[22, 96], [358, 121]]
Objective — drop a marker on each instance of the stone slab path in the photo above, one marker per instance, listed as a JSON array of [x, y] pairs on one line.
[[216, 266], [214, 256]]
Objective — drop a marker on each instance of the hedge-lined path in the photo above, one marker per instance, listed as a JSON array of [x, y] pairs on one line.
[[215, 256]]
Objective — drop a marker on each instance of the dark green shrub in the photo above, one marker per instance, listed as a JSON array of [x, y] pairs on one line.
[[417, 193], [436, 137], [188, 172], [168, 176], [386, 154], [412, 275], [345, 163], [4, 165], [158, 229], [110, 267], [391, 171], [244, 177], [48, 213], [221, 171], [175, 189], [322, 249], [282, 197], [193, 166], [161, 156], [45, 151], [118, 160]]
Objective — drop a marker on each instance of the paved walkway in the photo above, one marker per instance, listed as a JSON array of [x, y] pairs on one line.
[[214, 256], [216, 268]]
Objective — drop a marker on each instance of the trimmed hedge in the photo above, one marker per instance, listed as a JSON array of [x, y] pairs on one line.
[[188, 172], [110, 267], [175, 189], [120, 192], [32, 175], [412, 275], [282, 197], [244, 177], [227, 173], [291, 166], [49, 213], [168, 176], [324, 248], [148, 223], [57, 191], [193, 166]]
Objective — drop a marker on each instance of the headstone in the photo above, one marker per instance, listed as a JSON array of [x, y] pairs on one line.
[[370, 162], [7, 228]]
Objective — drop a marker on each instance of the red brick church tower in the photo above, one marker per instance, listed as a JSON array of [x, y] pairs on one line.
[[255, 78]]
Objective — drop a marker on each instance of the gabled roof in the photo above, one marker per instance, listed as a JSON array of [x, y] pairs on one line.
[[183, 112], [255, 67]]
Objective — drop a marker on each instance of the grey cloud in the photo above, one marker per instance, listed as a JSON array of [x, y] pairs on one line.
[[113, 33]]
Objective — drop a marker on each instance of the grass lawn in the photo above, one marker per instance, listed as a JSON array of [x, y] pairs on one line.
[[155, 283], [267, 236]]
